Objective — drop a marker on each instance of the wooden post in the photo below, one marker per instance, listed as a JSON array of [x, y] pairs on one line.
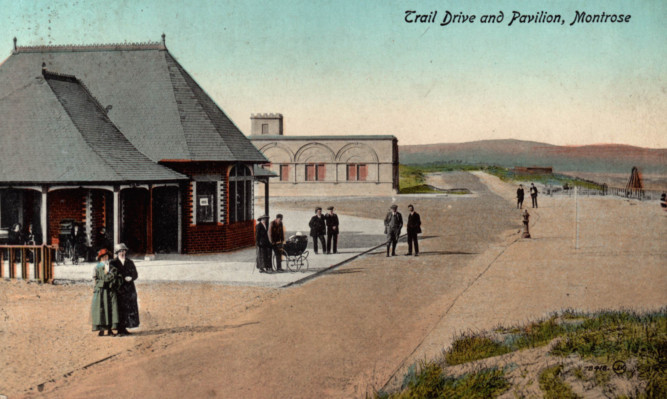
[[266, 196], [24, 264], [2, 263], [116, 215], [12, 265], [149, 222], [43, 215]]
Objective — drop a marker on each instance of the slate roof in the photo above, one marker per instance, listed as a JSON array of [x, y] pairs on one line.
[[53, 131], [274, 137], [155, 103]]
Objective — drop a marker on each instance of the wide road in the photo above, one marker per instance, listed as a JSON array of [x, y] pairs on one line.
[[341, 335]]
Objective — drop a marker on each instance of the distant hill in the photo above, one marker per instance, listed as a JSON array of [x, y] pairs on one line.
[[602, 158]]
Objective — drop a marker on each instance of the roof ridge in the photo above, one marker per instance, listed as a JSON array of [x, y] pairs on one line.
[[149, 45]]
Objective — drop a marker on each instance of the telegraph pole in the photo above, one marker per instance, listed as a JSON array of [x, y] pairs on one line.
[[576, 217]]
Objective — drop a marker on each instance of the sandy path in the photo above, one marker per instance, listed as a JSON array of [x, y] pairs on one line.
[[620, 264], [348, 332], [340, 335]]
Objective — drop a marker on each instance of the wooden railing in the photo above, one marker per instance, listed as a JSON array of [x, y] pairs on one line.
[[34, 262]]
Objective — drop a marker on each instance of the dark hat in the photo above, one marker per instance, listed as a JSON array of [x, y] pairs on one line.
[[394, 206], [263, 217], [319, 208], [279, 216], [102, 252], [330, 208], [410, 206]]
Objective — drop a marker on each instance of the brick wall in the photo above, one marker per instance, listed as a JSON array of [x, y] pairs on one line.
[[65, 204], [219, 238], [214, 237]]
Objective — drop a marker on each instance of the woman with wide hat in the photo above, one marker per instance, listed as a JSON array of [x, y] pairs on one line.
[[127, 292], [104, 309]]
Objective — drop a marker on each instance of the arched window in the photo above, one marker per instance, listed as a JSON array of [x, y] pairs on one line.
[[240, 194]]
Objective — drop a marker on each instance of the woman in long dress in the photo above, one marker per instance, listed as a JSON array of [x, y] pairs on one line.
[[127, 292], [104, 309]]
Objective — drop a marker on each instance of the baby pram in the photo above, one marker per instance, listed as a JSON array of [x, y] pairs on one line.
[[294, 253]]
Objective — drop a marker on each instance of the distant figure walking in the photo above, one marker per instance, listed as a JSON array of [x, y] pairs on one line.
[[318, 229], [128, 306], [332, 223], [519, 196], [414, 228], [277, 237], [533, 194], [104, 308], [393, 223], [263, 244]]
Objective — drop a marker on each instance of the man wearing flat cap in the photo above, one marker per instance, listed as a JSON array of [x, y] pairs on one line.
[[277, 237], [318, 229], [263, 244], [128, 307], [393, 223], [331, 220]]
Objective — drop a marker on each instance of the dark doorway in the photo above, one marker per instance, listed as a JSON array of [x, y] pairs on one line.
[[165, 219], [134, 212]]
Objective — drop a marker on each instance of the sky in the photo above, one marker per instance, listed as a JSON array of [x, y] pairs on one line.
[[350, 67]]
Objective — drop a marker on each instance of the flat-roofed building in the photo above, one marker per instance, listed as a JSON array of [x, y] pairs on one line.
[[326, 165]]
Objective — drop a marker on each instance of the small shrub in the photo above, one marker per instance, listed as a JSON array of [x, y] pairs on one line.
[[553, 386], [471, 347]]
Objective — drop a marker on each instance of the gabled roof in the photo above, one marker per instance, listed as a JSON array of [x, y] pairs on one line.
[[53, 131], [157, 105]]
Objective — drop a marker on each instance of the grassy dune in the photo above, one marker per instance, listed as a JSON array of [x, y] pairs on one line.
[[619, 354]]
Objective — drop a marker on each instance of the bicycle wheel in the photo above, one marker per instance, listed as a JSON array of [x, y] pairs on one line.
[[273, 260]]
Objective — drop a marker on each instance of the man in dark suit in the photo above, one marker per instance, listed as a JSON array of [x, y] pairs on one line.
[[533, 194], [393, 223], [414, 228], [519, 196], [263, 244], [331, 220], [318, 229]]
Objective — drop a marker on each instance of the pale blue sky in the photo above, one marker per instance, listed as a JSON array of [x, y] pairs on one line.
[[349, 67]]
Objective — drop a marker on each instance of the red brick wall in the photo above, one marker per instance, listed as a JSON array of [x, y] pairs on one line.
[[219, 238], [65, 204], [215, 237]]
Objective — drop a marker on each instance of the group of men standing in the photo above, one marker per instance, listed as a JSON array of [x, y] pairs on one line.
[[393, 223], [321, 225], [271, 236]]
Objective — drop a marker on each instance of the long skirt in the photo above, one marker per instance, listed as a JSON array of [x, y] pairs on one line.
[[128, 306], [264, 257], [104, 309]]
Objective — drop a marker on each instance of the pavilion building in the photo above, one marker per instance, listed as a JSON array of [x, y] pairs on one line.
[[121, 136]]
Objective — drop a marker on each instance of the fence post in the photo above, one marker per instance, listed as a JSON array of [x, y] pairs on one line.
[[576, 217], [2, 263], [24, 264]]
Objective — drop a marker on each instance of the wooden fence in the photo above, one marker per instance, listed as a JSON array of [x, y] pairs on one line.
[[647, 195], [28, 262]]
